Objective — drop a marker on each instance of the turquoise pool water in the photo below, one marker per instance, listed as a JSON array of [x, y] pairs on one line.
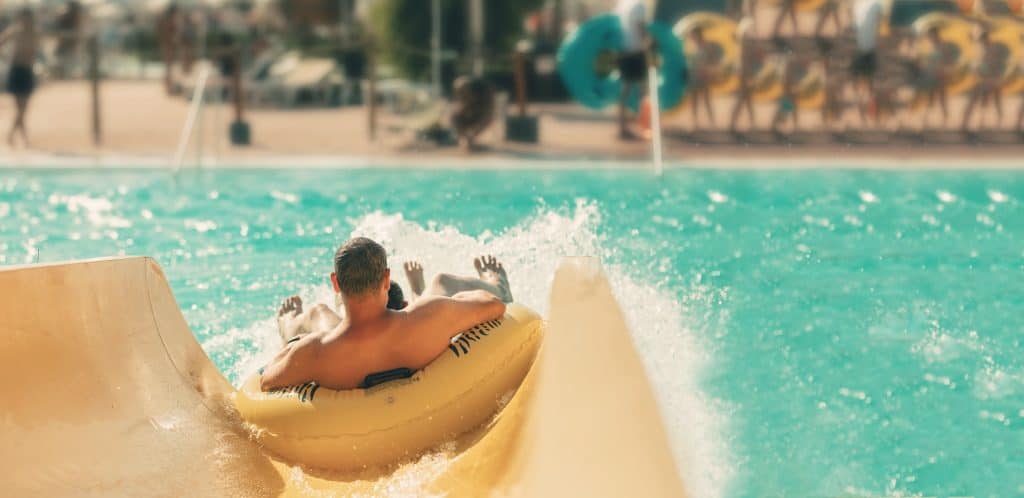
[[810, 334]]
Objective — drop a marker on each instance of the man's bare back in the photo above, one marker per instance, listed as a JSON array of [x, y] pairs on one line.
[[371, 338]]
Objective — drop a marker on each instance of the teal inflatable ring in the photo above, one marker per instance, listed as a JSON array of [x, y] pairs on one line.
[[602, 36]]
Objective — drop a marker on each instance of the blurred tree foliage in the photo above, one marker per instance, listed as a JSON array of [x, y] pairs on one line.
[[402, 31]]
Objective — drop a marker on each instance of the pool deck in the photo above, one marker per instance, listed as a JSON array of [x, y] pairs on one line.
[[142, 126]]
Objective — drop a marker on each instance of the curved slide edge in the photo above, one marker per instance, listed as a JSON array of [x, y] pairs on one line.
[[107, 393]]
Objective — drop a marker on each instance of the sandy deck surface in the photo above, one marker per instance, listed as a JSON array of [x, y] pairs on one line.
[[141, 127]]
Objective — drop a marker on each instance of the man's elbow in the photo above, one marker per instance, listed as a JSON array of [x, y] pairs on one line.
[[272, 378], [267, 383]]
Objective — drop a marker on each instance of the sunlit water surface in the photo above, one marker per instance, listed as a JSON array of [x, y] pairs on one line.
[[809, 333]]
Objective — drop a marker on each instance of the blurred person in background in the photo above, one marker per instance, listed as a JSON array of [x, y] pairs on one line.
[[633, 59], [702, 76], [935, 73], [834, 106], [752, 59], [21, 79], [189, 39], [989, 71], [786, 108], [168, 36], [472, 109], [69, 24], [867, 18]]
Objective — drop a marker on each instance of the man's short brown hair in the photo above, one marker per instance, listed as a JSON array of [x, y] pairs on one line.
[[360, 265]]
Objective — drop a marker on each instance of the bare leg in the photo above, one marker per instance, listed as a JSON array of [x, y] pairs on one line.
[[944, 105], [707, 107], [779, 20], [22, 110], [492, 278], [997, 100], [21, 103], [741, 99], [750, 110], [696, 106], [292, 321], [928, 108], [624, 132], [831, 11], [1020, 117]]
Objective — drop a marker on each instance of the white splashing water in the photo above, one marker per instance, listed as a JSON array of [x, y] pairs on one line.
[[532, 251]]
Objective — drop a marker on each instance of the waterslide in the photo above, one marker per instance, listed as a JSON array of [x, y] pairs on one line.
[[107, 393]]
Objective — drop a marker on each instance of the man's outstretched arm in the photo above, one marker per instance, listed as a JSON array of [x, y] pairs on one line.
[[435, 320]]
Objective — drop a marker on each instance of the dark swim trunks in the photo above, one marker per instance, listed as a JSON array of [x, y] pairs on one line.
[[633, 66], [21, 80], [865, 64]]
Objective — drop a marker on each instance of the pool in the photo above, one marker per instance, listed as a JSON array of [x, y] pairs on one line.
[[809, 333]]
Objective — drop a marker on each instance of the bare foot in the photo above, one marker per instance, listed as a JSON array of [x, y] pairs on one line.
[[287, 323], [291, 306], [414, 273], [491, 270]]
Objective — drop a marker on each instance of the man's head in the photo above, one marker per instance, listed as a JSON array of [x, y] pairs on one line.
[[361, 269]]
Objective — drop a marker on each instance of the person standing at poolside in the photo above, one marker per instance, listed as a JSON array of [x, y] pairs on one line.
[[69, 34], [990, 70], [867, 18], [702, 76], [168, 36], [935, 73], [21, 79], [372, 338], [633, 60], [752, 59], [793, 69]]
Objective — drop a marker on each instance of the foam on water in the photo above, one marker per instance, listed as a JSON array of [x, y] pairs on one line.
[[532, 251]]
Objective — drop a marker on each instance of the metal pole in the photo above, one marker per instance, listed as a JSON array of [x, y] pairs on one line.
[[476, 35], [435, 46], [371, 90], [94, 77], [190, 121], [202, 110], [653, 99]]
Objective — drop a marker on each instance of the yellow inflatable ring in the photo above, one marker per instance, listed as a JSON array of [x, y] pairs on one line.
[[959, 32], [1010, 33], [810, 91], [721, 32], [397, 420], [766, 85], [802, 5]]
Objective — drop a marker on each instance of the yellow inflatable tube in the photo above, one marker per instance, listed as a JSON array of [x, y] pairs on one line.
[[719, 31], [802, 5], [397, 420], [958, 32]]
